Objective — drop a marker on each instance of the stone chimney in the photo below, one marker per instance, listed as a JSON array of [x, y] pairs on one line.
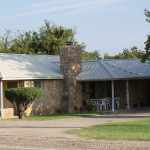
[[71, 67]]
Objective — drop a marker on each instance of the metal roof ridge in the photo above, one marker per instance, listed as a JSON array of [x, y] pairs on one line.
[[27, 54], [122, 69], [90, 60], [107, 69], [121, 59]]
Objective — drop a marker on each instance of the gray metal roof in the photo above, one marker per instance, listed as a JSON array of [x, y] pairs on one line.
[[132, 65], [93, 70], [113, 69], [19, 66]]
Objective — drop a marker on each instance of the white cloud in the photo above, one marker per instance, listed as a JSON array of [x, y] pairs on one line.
[[64, 5], [44, 4]]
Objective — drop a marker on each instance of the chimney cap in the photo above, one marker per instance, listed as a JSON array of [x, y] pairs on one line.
[[69, 43]]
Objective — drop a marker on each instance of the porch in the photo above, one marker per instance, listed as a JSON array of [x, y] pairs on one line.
[[132, 93]]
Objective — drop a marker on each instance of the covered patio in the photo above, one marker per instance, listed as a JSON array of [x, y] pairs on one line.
[[126, 79], [131, 93]]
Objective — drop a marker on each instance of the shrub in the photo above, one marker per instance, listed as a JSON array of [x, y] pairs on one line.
[[22, 98], [91, 107]]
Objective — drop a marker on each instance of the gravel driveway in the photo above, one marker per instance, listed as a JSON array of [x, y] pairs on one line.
[[50, 135]]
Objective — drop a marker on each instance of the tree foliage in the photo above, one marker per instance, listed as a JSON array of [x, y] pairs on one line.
[[48, 40], [107, 56], [134, 52], [147, 43], [51, 37], [22, 98], [147, 14], [91, 55]]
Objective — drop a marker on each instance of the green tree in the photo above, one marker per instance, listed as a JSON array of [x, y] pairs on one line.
[[22, 98], [22, 43], [52, 37], [138, 53], [49, 39], [6, 42], [107, 56], [130, 55], [91, 55], [134, 52], [119, 56], [1, 48], [147, 43], [147, 14], [127, 54]]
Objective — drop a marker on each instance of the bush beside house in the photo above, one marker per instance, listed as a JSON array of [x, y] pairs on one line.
[[22, 98]]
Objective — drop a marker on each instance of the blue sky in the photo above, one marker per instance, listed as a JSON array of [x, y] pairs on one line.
[[105, 25]]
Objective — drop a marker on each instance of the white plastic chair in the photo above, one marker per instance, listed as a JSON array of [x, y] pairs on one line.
[[103, 104], [93, 102], [108, 102], [116, 102]]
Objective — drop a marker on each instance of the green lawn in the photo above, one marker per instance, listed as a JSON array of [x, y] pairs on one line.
[[62, 116], [138, 130]]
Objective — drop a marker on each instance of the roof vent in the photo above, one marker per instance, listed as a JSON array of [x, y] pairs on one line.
[[69, 43]]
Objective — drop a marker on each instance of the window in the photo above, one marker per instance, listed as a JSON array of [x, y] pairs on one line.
[[37, 84], [12, 85], [92, 87]]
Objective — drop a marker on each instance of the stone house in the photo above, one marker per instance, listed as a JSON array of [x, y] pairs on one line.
[[65, 78]]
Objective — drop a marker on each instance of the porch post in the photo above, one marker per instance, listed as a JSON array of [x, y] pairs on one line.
[[127, 95], [112, 85], [1, 97]]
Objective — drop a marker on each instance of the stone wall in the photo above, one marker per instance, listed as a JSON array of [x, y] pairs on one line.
[[51, 102], [7, 113], [71, 67]]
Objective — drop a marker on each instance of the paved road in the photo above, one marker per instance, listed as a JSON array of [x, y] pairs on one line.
[[50, 135]]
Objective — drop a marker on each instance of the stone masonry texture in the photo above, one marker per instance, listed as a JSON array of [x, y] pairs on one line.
[[51, 101], [60, 95], [71, 67]]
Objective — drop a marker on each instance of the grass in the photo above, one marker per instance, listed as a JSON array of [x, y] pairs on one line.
[[138, 130], [62, 116]]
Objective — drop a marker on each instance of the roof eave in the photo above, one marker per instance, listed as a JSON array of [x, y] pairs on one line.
[[131, 78], [34, 78]]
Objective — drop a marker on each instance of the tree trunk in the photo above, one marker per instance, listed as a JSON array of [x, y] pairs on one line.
[[20, 112], [21, 116]]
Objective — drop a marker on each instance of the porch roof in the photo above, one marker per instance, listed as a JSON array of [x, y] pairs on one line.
[[114, 69]]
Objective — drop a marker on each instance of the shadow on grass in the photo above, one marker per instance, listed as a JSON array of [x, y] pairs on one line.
[[98, 115], [118, 117], [35, 127], [62, 116]]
